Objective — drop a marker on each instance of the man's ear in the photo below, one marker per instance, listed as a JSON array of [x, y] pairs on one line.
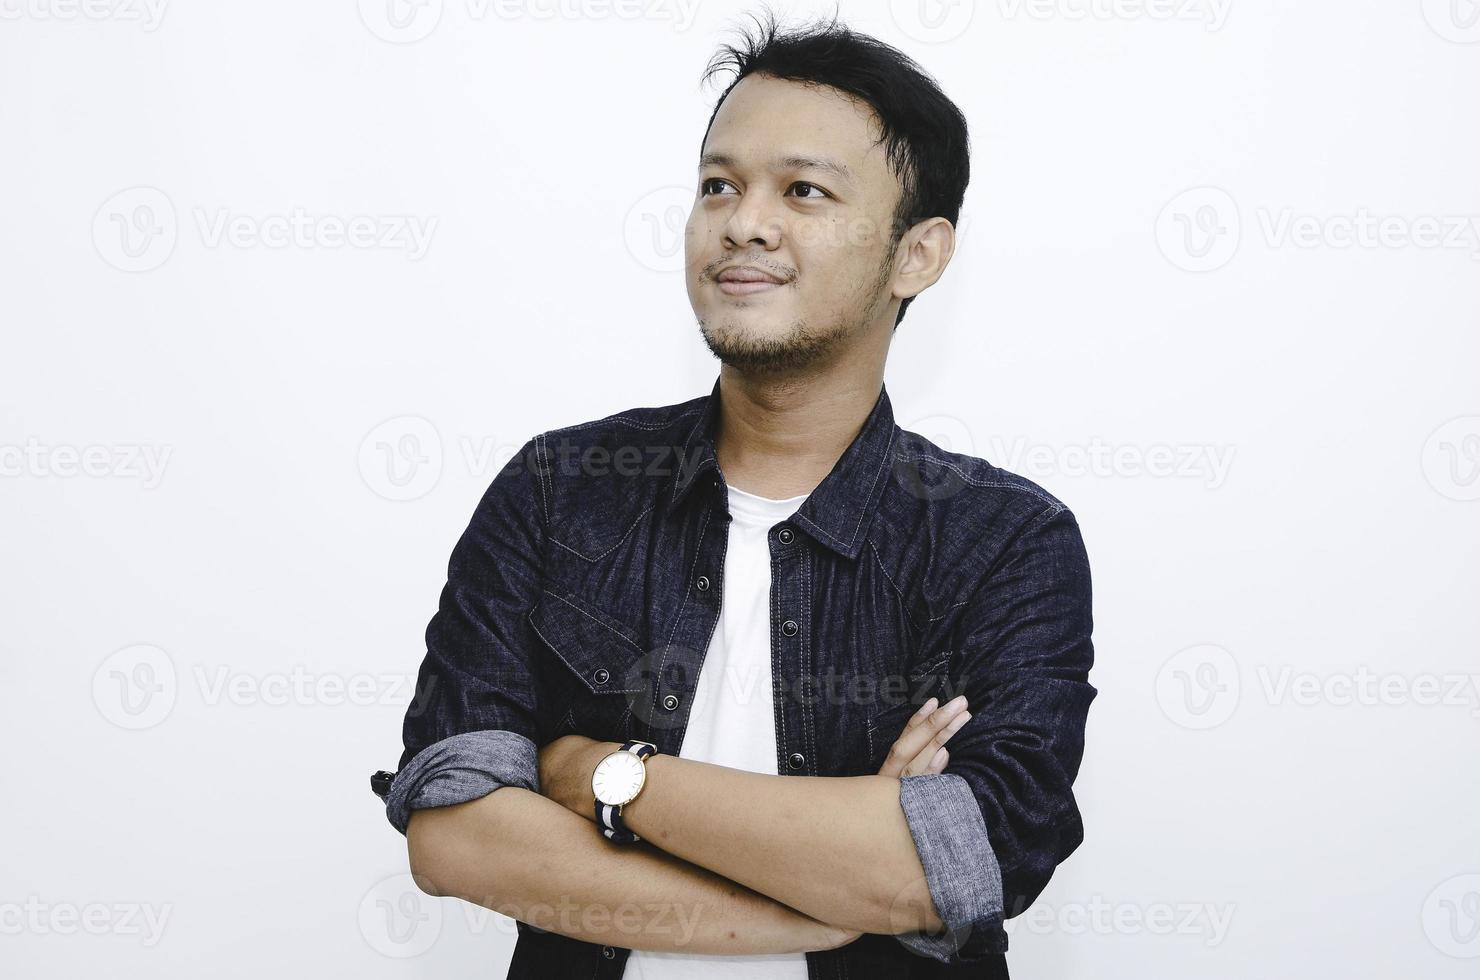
[[927, 249]]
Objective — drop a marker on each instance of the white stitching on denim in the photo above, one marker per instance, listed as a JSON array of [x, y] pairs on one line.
[[636, 521], [847, 546], [903, 603], [625, 420], [630, 641], [698, 549], [990, 483], [539, 472]]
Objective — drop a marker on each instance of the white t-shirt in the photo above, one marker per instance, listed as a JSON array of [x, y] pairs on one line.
[[733, 719]]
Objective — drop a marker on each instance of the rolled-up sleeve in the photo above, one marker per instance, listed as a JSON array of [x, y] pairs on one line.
[[991, 829], [462, 768], [477, 721]]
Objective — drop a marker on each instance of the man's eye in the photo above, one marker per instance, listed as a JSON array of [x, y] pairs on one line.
[[820, 192], [706, 187]]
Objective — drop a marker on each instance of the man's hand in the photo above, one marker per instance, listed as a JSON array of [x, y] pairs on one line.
[[921, 747], [566, 765]]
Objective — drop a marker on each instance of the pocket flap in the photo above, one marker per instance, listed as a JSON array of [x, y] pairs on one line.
[[598, 648]]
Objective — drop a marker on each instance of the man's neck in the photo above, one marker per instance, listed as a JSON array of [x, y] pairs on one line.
[[780, 438]]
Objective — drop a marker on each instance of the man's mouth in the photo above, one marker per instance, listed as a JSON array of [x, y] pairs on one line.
[[746, 280]]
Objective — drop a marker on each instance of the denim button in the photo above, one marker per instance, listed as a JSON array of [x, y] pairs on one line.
[[703, 584], [790, 627], [608, 952], [785, 535], [796, 760], [601, 675], [670, 702]]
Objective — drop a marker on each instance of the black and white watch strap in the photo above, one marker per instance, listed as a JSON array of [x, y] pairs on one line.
[[609, 817]]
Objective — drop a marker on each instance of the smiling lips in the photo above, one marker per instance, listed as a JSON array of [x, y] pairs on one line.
[[742, 280]]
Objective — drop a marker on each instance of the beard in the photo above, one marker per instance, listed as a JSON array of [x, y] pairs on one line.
[[801, 345]]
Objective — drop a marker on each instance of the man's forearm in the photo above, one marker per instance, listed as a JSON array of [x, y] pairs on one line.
[[525, 856], [838, 849]]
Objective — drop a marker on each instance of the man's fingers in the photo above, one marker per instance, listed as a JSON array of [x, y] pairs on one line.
[[925, 733]]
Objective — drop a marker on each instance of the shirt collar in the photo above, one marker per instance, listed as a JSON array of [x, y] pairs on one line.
[[838, 510]]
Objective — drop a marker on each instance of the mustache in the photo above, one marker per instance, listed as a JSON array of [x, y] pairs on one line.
[[713, 268]]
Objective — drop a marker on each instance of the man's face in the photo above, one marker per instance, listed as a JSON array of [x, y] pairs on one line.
[[790, 183]]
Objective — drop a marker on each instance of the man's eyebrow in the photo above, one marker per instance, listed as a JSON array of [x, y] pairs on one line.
[[784, 163]]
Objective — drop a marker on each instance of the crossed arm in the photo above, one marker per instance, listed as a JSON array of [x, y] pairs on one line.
[[732, 862]]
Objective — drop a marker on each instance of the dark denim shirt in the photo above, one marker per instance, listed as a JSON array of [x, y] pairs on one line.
[[585, 591]]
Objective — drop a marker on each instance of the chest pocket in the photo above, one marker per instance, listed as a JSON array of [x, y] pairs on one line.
[[887, 723], [601, 671]]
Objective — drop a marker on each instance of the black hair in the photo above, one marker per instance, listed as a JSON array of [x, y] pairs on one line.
[[923, 131]]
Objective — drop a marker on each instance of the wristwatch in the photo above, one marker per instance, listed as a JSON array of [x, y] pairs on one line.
[[616, 781]]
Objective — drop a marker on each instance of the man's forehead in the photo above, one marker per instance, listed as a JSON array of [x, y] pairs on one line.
[[779, 162], [767, 121]]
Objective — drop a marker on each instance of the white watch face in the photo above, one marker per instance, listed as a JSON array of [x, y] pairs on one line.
[[617, 778]]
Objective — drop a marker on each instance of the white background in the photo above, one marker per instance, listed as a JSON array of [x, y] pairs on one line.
[[1240, 231]]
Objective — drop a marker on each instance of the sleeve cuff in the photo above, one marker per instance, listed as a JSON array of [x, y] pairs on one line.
[[961, 869], [461, 768]]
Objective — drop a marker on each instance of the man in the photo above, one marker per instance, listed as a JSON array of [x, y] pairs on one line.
[[708, 654]]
